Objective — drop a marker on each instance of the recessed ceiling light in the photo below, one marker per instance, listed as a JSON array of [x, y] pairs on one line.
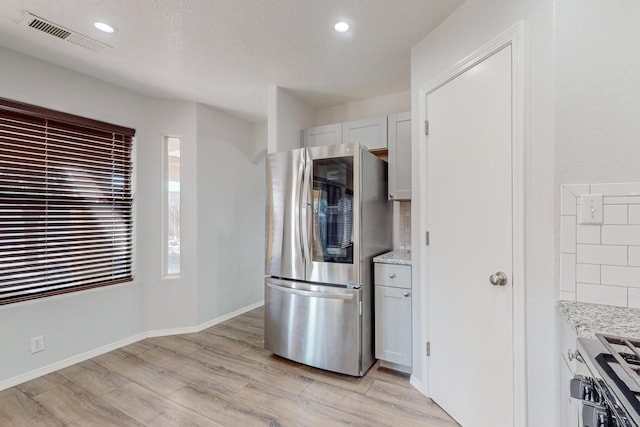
[[341, 27], [103, 27]]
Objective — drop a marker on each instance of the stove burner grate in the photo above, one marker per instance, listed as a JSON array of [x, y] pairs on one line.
[[626, 351]]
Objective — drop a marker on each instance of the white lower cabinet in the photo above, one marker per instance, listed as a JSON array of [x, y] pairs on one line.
[[393, 315]]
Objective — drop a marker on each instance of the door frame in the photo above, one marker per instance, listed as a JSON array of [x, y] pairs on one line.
[[514, 37]]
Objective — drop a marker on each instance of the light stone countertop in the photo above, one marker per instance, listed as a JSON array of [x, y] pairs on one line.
[[398, 257], [589, 319]]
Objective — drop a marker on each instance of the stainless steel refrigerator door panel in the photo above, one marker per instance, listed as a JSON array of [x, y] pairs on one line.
[[313, 324], [332, 184], [284, 215]]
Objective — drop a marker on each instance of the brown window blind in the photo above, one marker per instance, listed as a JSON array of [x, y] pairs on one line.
[[65, 203]]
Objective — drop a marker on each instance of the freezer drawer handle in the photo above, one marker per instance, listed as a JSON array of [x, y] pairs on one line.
[[310, 293]]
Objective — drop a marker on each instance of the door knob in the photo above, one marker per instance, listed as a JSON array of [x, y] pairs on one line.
[[392, 275], [498, 279]]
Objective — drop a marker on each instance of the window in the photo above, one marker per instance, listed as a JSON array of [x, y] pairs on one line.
[[172, 206], [65, 203]]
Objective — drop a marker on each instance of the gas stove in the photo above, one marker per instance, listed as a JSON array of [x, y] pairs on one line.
[[611, 390]]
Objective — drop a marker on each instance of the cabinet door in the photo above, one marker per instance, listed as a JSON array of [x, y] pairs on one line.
[[393, 324], [372, 133], [400, 156], [323, 135]]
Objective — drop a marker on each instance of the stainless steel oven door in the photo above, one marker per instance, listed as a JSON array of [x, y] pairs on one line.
[[313, 324]]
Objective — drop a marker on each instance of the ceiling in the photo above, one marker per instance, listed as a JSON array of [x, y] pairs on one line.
[[226, 53]]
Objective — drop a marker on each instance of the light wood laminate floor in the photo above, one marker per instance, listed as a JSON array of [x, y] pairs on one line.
[[221, 376]]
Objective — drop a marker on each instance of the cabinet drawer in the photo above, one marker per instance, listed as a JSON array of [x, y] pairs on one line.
[[397, 276]]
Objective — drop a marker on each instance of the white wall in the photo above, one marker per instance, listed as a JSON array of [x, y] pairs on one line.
[[231, 202], [287, 116], [81, 324], [364, 109], [582, 95], [261, 137], [598, 91], [475, 23], [75, 323], [169, 302]]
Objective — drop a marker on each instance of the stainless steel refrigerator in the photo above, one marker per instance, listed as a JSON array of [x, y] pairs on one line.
[[327, 216]]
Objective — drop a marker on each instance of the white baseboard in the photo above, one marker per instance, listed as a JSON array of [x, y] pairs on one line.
[[418, 385], [205, 325], [226, 317], [31, 375]]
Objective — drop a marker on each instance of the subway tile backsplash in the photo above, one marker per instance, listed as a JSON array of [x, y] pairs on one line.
[[403, 240], [600, 263]]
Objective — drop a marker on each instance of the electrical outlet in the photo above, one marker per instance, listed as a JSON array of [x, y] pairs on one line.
[[37, 344]]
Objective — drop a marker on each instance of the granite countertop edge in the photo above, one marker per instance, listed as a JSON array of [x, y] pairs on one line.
[[398, 257], [587, 319]]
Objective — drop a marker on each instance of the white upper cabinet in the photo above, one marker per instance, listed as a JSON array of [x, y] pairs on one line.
[[392, 133], [322, 135], [400, 156], [372, 133]]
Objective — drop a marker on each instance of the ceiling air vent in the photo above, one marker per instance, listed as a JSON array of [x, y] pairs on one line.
[[63, 33]]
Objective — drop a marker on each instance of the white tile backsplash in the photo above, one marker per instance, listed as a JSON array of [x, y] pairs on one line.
[[634, 214], [568, 201], [567, 296], [602, 254], [633, 298], [622, 200], [634, 256], [568, 272], [588, 273], [621, 235], [403, 240], [589, 234], [617, 189], [601, 263], [620, 276], [568, 234], [616, 214], [598, 294]]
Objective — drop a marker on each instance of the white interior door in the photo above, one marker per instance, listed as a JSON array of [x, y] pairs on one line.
[[470, 217]]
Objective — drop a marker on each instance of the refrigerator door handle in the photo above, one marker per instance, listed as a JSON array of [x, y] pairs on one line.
[[307, 210], [310, 293], [302, 208]]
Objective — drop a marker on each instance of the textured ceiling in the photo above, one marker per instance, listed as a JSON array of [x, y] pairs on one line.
[[225, 53]]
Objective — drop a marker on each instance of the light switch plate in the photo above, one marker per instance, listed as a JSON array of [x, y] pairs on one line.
[[591, 211]]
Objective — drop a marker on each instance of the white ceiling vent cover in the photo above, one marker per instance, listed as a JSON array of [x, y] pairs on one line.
[[63, 33]]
